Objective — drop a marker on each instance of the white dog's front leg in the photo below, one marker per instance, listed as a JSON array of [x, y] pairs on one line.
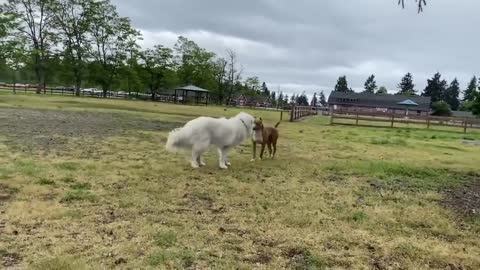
[[222, 155]]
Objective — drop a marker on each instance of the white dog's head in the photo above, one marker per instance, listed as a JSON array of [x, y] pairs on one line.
[[248, 120]]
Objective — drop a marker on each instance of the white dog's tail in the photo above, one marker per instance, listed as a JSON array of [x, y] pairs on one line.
[[178, 139]]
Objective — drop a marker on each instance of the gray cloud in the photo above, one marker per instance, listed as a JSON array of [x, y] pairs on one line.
[[306, 45]]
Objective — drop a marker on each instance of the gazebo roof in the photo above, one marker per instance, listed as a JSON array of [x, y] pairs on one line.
[[192, 88], [408, 102]]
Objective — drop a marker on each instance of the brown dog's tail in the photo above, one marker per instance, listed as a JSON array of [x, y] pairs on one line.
[[276, 126]]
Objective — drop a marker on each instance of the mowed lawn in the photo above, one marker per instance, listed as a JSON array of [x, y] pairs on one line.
[[86, 184]]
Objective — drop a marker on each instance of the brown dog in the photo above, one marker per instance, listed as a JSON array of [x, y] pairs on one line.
[[265, 136]]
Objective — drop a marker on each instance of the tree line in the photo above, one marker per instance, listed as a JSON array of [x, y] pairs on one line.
[[86, 43], [441, 92]]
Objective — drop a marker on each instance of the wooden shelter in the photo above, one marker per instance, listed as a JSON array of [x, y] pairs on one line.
[[199, 95]]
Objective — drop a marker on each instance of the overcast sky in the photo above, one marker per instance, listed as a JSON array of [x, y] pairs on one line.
[[306, 44]]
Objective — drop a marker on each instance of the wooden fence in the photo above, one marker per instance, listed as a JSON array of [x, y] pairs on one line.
[[392, 119], [298, 112], [64, 91]]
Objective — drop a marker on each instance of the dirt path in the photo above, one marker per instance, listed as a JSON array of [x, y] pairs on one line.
[[45, 130]]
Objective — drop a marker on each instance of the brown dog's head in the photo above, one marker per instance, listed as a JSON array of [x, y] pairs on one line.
[[258, 130]]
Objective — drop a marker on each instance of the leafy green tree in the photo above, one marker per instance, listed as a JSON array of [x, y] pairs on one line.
[[109, 36], [73, 19], [441, 108], [370, 85], [220, 75], [15, 56], [475, 105], [156, 63], [406, 86], [196, 65], [36, 25], [382, 90]]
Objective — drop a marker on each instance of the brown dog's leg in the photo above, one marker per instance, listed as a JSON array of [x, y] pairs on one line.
[[274, 149], [261, 151], [254, 144], [270, 149]]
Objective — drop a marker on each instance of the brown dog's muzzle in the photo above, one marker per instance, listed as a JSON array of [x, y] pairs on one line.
[[258, 134]]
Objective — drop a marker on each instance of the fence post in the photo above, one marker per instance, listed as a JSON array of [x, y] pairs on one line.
[[393, 118], [465, 125], [331, 115], [356, 122], [281, 115], [292, 114]]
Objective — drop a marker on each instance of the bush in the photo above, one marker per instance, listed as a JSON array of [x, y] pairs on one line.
[[476, 106], [441, 108]]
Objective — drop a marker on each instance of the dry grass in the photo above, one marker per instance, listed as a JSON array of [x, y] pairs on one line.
[[336, 197]]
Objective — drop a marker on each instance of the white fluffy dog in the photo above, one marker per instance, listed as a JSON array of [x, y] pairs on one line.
[[199, 134]]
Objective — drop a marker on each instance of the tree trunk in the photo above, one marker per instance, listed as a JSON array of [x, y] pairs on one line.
[[78, 83], [14, 82]]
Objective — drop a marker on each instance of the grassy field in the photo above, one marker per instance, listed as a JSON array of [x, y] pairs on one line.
[[103, 193]]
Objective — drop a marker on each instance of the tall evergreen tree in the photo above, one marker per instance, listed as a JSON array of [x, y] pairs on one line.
[[302, 100], [323, 101], [314, 101], [280, 100], [470, 93], [293, 99], [265, 90], [273, 98], [436, 88], [406, 86], [342, 85], [370, 85], [452, 95]]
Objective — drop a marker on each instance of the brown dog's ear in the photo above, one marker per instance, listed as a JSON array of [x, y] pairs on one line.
[[261, 119]]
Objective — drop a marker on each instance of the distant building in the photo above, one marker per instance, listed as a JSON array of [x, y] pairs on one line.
[[371, 103], [463, 114]]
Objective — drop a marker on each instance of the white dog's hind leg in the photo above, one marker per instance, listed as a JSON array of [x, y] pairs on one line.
[[200, 161], [194, 161], [227, 160], [197, 151]]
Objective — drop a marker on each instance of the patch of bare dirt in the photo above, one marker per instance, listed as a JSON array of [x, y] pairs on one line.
[[10, 259], [46, 130], [301, 258], [261, 257], [6, 193], [464, 200]]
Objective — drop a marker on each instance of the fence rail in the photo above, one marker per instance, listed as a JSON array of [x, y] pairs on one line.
[[427, 120]]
